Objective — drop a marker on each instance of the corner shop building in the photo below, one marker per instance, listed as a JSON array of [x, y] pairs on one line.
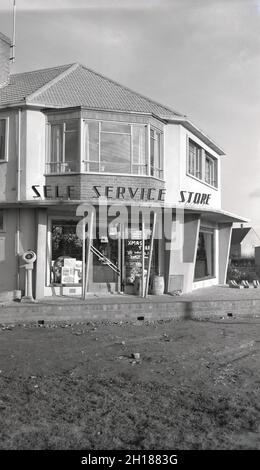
[[71, 138]]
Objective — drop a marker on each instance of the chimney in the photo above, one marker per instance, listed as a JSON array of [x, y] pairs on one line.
[[5, 45]]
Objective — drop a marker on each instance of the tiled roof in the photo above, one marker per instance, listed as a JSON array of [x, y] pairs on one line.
[[76, 85], [22, 85], [238, 235]]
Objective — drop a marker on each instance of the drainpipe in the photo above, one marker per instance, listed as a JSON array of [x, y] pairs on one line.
[[18, 198], [18, 195]]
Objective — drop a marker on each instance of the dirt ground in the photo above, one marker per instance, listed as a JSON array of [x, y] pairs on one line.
[[77, 386]]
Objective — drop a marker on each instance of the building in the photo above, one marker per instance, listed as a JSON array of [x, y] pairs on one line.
[[70, 136], [244, 240]]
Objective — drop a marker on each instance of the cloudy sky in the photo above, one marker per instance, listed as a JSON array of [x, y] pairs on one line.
[[201, 57]]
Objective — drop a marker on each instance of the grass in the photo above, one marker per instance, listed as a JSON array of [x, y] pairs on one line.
[[79, 388]]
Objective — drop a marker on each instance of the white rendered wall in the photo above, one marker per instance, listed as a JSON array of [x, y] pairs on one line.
[[177, 179], [34, 162]]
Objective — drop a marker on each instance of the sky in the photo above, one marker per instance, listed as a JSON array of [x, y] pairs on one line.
[[199, 57]]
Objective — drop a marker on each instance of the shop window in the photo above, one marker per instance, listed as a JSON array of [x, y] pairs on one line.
[[66, 250], [210, 170], [64, 147], [195, 160], [111, 147], [204, 266], [1, 220], [155, 154], [3, 139]]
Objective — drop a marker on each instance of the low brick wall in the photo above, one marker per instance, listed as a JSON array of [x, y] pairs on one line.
[[177, 310]]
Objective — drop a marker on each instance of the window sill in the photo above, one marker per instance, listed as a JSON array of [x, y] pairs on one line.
[[202, 182], [103, 173], [3, 161]]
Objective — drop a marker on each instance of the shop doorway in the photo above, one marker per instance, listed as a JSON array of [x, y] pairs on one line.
[[132, 262], [205, 259]]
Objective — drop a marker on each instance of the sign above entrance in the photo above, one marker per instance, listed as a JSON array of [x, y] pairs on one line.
[[190, 197]]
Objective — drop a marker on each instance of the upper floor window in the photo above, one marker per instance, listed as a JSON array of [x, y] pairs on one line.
[[104, 147], [115, 147], [211, 170], [64, 147], [195, 160], [3, 139], [201, 164]]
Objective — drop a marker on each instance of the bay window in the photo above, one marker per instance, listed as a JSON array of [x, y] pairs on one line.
[[94, 146], [64, 147]]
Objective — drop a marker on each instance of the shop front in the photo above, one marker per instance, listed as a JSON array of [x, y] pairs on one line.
[[110, 256], [188, 248]]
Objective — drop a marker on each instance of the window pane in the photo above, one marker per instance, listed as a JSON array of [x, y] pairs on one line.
[[139, 150], [208, 171], [115, 153], [195, 160], [91, 139], [215, 182], [192, 153], [2, 138], [155, 153], [1, 219], [66, 262], [72, 150], [115, 127], [56, 143], [152, 151], [66, 159], [211, 176], [211, 171]]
